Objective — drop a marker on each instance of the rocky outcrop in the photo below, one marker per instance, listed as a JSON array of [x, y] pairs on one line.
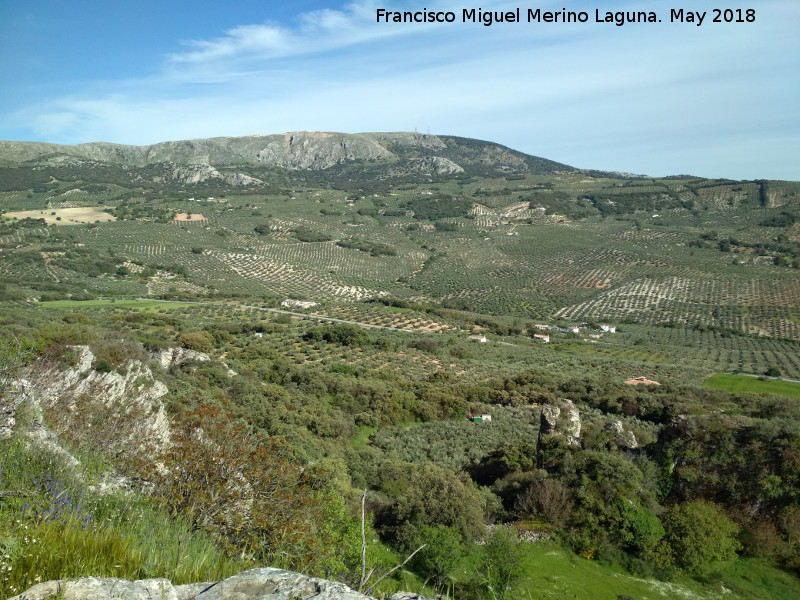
[[623, 438], [123, 408], [317, 150], [564, 419], [178, 356], [255, 584], [435, 165], [200, 172]]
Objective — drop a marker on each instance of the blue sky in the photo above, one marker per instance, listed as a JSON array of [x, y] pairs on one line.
[[718, 100]]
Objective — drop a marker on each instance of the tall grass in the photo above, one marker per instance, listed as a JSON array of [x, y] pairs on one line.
[[53, 526]]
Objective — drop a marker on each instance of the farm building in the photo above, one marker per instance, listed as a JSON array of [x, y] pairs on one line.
[[479, 338], [609, 328], [481, 418], [538, 337]]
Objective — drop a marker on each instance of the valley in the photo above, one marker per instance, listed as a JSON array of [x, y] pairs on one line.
[[343, 305]]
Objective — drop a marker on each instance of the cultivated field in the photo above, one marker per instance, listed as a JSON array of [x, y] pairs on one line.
[[65, 216]]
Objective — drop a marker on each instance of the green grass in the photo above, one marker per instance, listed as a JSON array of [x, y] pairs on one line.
[[552, 572], [59, 529], [139, 304], [362, 438], [398, 309], [754, 385]]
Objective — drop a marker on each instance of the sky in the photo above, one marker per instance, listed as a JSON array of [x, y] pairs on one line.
[[667, 98]]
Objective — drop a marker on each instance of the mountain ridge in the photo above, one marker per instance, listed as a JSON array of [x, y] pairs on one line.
[[297, 151]]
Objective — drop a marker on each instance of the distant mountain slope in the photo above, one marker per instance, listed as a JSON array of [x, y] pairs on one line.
[[402, 152]]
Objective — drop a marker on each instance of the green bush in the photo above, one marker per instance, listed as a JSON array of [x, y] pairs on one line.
[[699, 533]]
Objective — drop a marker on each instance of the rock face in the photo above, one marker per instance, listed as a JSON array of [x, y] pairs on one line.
[[316, 150], [263, 583], [436, 165], [194, 161], [123, 407], [623, 439], [178, 356], [200, 172], [562, 419]]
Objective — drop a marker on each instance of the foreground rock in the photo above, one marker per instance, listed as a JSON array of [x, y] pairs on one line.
[[263, 583]]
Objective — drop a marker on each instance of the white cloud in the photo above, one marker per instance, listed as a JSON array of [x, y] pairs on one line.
[[316, 31], [263, 40]]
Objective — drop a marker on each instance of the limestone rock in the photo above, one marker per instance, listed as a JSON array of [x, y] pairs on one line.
[[623, 438], [95, 588], [318, 150], [178, 356], [127, 401], [436, 165], [196, 173], [200, 172], [255, 584], [564, 419]]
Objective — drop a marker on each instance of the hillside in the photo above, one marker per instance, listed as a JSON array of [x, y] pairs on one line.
[[209, 349], [451, 222], [296, 150]]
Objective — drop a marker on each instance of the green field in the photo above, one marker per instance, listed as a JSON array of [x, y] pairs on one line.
[[754, 385], [552, 573], [142, 304]]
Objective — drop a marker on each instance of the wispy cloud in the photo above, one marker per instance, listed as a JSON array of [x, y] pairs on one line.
[[315, 31]]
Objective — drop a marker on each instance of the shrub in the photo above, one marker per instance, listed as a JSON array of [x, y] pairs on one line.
[[699, 533], [200, 341], [443, 549], [246, 491], [103, 366], [501, 562]]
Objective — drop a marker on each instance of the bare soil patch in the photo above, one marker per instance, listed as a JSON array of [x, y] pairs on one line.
[[190, 217], [65, 216]]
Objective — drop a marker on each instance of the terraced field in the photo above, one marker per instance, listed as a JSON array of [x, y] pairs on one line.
[[566, 246]]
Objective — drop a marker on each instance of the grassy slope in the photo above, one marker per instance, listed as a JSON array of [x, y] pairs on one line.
[[753, 385], [553, 573]]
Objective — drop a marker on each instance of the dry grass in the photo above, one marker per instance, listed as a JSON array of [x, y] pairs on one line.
[[65, 216], [190, 217]]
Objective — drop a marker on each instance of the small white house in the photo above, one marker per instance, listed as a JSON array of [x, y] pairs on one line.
[[609, 328], [540, 337], [479, 338]]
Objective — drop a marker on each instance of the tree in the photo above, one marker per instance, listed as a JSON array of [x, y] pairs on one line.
[[443, 549], [200, 341], [435, 496], [246, 490], [698, 533], [501, 562], [547, 499], [637, 529]]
